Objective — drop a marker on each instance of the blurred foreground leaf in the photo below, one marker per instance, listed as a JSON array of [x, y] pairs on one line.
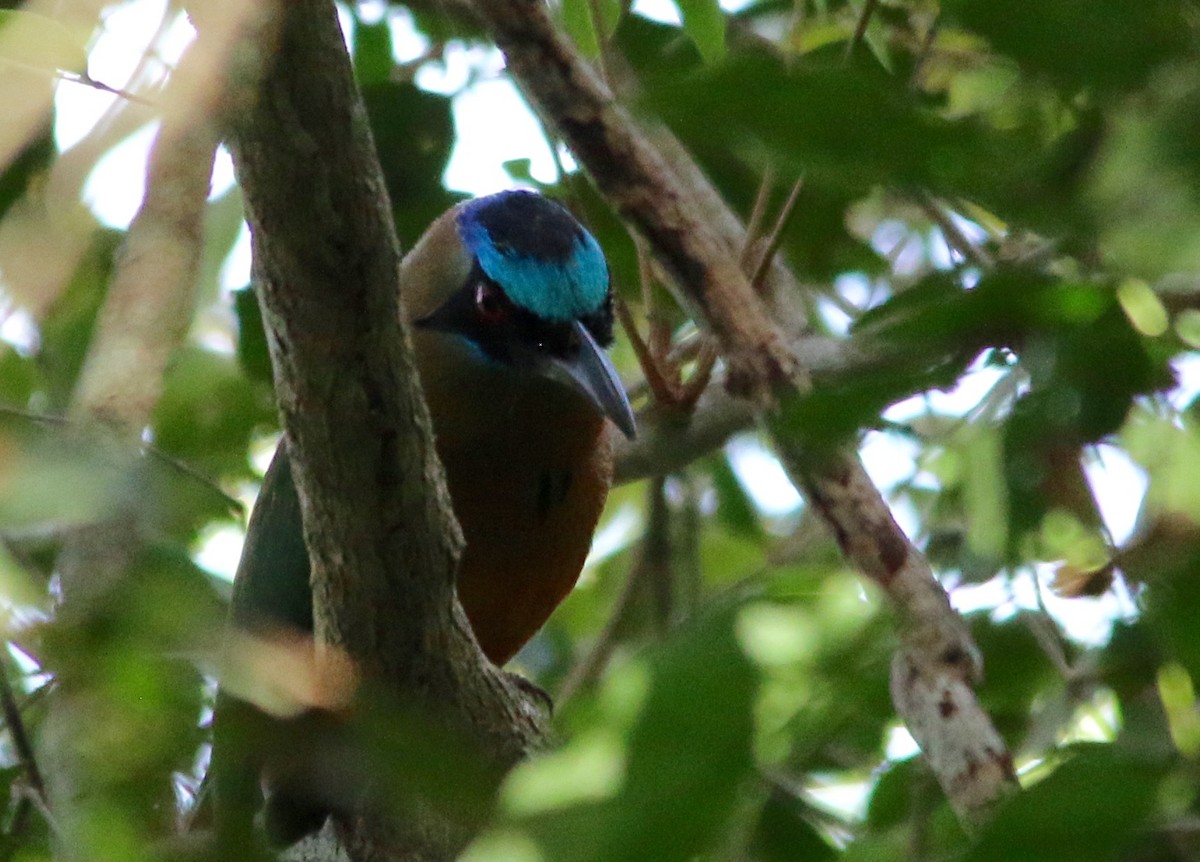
[[687, 756]]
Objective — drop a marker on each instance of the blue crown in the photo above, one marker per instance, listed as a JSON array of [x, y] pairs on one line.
[[544, 260]]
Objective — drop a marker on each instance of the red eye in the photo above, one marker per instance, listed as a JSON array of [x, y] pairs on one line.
[[490, 302]]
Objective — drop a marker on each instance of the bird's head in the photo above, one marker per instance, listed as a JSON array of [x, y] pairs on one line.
[[527, 287]]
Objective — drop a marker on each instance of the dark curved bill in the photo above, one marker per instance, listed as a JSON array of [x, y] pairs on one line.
[[591, 374]]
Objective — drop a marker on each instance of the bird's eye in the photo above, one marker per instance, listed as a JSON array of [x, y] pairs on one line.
[[490, 302]]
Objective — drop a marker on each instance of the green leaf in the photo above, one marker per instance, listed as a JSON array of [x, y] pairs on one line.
[[57, 475], [19, 377], [704, 22], [252, 352], [830, 414], [899, 786], [1018, 671], [580, 19], [1144, 190], [51, 479], [30, 163], [785, 832], [658, 52], [414, 133], [209, 411], [1170, 609], [1085, 811], [66, 331], [844, 125], [373, 61], [853, 128], [577, 21], [34, 40], [1101, 45], [1169, 451], [223, 222], [843, 725], [734, 507], [686, 758], [984, 493]]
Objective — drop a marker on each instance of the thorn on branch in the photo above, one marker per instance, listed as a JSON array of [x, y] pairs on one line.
[[695, 386], [757, 214], [88, 81], [757, 278], [660, 387]]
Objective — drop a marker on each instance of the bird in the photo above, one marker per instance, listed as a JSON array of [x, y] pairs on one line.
[[510, 307]]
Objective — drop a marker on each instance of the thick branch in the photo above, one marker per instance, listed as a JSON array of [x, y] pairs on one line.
[[934, 673], [939, 661], [376, 515], [149, 304]]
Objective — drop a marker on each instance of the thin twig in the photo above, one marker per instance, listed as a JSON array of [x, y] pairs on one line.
[[660, 388], [842, 304], [591, 665], [923, 54], [687, 349], [33, 415], [598, 29], [150, 449], [768, 252], [657, 555], [1045, 632], [88, 81], [668, 441], [700, 377], [33, 795], [660, 326], [860, 30], [689, 526], [655, 548], [20, 739], [955, 238], [757, 213], [140, 75], [38, 801]]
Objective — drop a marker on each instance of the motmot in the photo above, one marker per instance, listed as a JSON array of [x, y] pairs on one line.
[[509, 303]]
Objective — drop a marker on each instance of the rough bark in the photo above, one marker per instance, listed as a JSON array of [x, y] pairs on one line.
[[377, 520]]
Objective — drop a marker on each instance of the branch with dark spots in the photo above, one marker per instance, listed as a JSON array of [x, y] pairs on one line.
[[963, 750], [701, 258]]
